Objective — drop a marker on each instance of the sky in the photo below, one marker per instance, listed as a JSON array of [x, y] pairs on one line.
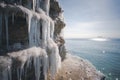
[[91, 18]]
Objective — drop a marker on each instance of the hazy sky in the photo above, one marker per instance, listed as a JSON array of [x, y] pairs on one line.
[[91, 18]]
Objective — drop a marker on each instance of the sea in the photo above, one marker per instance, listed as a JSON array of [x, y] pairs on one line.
[[103, 54]]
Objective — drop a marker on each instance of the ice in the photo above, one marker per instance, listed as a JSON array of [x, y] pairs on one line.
[[19, 73], [13, 18], [9, 73], [29, 4], [37, 65], [0, 27], [32, 33], [29, 27], [52, 29], [5, 72], [54, 58], [47, 6], [6, 26], [61, 16], [21, 2], [42, 50], [34, 4], [5, 75], [45, 65], [35, 54], [44, 33]]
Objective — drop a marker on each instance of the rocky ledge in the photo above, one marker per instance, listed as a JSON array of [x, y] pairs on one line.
[[76, 68]]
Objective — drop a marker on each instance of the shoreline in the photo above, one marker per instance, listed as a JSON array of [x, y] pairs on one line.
[[77, 68]]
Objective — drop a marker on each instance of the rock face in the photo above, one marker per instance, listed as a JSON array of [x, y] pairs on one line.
[[31, 41]]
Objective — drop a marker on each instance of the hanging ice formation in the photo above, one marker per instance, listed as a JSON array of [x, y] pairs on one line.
[[0, 27], [43, 51], [6, 67]]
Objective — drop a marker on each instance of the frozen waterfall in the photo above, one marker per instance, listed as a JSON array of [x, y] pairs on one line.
[[42, 50]]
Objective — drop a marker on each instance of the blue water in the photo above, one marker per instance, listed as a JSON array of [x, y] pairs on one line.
[[104, 55]]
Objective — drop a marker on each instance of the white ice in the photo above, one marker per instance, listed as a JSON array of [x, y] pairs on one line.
[[44, 52]]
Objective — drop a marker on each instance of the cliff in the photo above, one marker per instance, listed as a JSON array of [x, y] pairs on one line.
[[31, 42]]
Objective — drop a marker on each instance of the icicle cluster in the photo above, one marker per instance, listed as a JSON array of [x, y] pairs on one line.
[[5, 63], [35, 54], [43, 51]]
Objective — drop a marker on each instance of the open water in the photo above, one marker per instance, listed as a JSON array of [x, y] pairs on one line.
[[104, 55]]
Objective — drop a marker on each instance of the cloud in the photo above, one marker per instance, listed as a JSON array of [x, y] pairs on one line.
[[92, 29], [89, 18]]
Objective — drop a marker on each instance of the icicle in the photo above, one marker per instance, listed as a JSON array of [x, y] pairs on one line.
[[20, 71], [21, 2], [54, 57], [18, 76], [47, 6], [13, 18], [37, 66], [9, 73], [34, 5], [37, 63], [5, 75], [29, 29], [52, 29], [29, 4], [48, 30], [29, 61], [38, 34], [6, 25], [0, 28], [37, 4], [28, 65], [29, 23], [34, 34], [44, 34], [45, 64]]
